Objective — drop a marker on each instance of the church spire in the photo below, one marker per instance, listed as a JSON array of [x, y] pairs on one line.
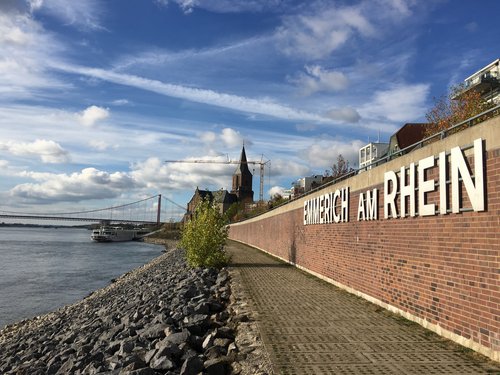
[[243, 166], [242, 179]]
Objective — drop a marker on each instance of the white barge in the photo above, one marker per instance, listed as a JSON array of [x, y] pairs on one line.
[[114, 234]]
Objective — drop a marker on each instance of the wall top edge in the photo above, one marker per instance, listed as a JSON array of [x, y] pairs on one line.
[[489, 131]]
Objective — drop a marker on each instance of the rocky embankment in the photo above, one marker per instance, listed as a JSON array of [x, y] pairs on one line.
[[163, 318]]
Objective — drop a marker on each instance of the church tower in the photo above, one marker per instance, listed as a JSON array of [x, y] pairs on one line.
[[242, 180]]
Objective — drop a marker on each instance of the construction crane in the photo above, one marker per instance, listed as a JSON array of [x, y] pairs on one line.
[[260, 163]]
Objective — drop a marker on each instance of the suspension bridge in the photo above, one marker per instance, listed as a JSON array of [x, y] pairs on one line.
[[157, 209]]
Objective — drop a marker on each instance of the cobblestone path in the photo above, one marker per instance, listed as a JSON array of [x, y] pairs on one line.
[[311, 327]]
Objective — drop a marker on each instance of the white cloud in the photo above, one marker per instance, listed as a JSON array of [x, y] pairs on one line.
[[278, 190], [306, 127], [100, 145], [90, 183], [329, 26], [25, 50], [223, 6], [47, 151], [93, 114], [289, 168], [398, 8], [401, 103], [208, 137], [83, 14], [156, 174], [324, 153], [346, 114], [317, 79], [317, 34], [120, 102], [234, 102], [161, 2], [231, 137], [222, 140]]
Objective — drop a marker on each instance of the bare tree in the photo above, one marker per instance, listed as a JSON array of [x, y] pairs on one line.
[[341, 167]]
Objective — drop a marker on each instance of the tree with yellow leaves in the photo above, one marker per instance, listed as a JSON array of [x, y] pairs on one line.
[[458, 106]]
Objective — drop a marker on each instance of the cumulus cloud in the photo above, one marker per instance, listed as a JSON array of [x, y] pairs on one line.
[[231, 137], [401, 103], [93, 114], [346, 114], [208, 137], [279, 190], [323, 153], [90, 183], [48, 151], [177, 176], [227, 137], [317, 79], [282, 167]]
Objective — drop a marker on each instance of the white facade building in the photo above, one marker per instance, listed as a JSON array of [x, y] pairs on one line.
[[305, 184], [486, 81], [371, 152]]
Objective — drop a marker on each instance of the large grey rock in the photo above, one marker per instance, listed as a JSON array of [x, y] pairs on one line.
[[192, 366], [178, 337], [162, 363], [217, 366]]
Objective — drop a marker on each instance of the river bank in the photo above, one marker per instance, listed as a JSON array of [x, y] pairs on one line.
[[160, 318]]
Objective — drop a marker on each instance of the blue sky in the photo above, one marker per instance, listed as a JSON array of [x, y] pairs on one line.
[[95, 95]]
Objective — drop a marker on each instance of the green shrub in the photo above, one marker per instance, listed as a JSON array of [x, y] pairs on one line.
[[204, 237]]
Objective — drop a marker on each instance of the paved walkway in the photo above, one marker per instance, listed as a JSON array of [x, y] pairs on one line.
[[311, 327]]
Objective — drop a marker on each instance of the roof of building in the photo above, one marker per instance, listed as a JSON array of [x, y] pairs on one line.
[[410, 133], [482, 70], [223, 196]]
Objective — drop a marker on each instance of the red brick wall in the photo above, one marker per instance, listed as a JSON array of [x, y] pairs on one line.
[[443, 269]]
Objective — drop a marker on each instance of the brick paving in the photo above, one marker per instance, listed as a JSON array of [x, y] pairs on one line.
[[311, 327]]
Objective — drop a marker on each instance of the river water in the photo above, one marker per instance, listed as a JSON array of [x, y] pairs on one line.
[[43, 269]]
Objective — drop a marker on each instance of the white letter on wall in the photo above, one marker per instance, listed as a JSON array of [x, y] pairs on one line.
[[336, 195], [361, 207], [459, 167], [322, 209], [305, 212], [344, 206], [390, 198], [425, 186], [407, 190], [372, 204], [443, 189], [327, 209]]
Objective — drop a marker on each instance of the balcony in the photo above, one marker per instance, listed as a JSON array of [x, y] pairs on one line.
[[483, 84]]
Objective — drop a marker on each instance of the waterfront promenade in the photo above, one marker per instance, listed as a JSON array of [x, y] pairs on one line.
[[311, 327]]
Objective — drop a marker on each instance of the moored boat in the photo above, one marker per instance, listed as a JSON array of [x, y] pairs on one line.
[[114, 234]]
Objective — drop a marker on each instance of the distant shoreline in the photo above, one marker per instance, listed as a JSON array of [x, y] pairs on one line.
[[21, 225]]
